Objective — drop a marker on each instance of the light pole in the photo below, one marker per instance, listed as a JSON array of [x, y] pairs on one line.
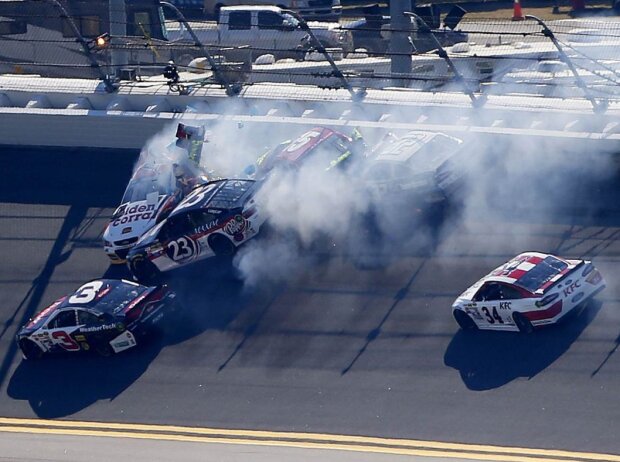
[[400, 47]]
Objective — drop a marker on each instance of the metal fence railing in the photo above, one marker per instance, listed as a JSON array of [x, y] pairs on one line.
[[574, 58]]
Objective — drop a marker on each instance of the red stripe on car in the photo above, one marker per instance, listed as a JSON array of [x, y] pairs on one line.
[[549, 313]]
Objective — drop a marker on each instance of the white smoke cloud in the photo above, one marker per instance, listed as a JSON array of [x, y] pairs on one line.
[[514, 179]]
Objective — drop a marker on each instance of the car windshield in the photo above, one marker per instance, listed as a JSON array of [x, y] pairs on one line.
[[544, 271], [139, 188]]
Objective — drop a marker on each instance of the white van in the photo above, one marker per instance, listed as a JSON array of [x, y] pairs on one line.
[[327, 10]]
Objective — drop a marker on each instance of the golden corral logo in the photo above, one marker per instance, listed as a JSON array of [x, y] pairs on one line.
[[135, 213]]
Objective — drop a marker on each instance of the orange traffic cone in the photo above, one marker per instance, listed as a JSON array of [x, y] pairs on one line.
[[517, 14]]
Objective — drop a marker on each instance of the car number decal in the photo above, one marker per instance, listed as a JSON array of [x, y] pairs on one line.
[[492, 316], [181, 249], [87, 293], [65, 340], [302, 141]]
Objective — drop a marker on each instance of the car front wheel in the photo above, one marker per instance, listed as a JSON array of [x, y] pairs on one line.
[[30, 349], [464, 321]]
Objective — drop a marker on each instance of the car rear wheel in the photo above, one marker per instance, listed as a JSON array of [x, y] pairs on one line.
[[144, 271], [30, 349], [222, 246], [523, 324], [464, 321], [104, 350]]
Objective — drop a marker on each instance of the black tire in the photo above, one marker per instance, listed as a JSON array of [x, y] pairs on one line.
[[221, 245], [104, 350], [464, 321], [30, 350], [144, 271], [523, 324]]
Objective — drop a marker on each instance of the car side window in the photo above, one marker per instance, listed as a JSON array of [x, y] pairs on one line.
[[510, 293], [199, 218], [488, 292], [240, 20], [174, 227], [86, 317], [269, 20], [64, 318]]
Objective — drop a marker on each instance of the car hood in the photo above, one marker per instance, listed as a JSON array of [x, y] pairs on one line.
[[132, 219]]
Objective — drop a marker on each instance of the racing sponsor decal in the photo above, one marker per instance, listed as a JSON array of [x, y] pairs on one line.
[[571, 288], [101, 328], [182, 249], [203, 228], [473, 312], [123, 342], [577, 297], [236, 227], [505, 305], [134, 213]]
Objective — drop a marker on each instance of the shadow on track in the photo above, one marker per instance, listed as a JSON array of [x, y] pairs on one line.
[[93, 178], [65, 384], [488, 360]]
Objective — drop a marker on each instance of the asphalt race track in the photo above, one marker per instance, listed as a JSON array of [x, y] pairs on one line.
[[339, 347]]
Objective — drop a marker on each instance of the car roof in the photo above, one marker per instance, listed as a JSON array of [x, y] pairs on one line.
[[221, 194], [532, 271], [63, 302], [405, 147], [293, 155], [277, 9]]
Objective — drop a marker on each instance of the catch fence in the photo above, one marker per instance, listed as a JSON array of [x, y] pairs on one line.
[[573, 58]]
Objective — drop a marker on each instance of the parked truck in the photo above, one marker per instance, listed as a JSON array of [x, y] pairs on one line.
[[265, 29]]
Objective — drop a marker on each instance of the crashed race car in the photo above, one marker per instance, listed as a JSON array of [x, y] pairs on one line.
[[105, 315], [154, 190], [530, 291], [419, 168], [335, 149], [213, 220]]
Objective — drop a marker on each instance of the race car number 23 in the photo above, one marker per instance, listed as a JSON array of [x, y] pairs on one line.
[[181, 249]]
